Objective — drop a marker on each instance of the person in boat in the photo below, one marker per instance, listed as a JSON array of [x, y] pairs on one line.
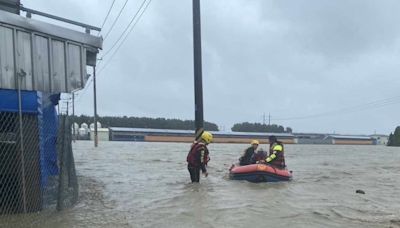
[[198, 156], [245, 159], [260, 155], [276, 156]]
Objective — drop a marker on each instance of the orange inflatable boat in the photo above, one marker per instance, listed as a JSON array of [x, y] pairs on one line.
[[259, 173]]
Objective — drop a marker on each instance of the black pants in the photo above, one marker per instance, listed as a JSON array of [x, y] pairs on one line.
[[194, 173]]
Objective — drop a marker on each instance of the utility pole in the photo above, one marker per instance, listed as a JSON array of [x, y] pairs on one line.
[[198, 85], [264, 118], [269, 119], [95, 139], [67, 107]]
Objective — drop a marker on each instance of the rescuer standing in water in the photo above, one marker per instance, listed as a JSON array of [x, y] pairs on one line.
[[198, 157]]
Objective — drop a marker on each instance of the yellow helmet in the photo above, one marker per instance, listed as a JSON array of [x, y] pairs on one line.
[[255, 142], [207, 137]]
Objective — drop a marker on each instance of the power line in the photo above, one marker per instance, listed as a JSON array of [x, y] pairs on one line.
[[105, 19], [85, 89], [341, 111], [126, 36], [357, 108], [122, 34], [115, 21]]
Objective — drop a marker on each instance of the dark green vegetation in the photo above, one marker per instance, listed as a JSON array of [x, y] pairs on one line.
[[144, 122], [258, 127], [394, 139]]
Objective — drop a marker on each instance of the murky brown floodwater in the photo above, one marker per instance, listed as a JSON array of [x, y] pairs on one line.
[[126, 184]]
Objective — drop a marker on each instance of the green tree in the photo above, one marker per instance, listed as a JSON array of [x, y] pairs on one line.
[[258, 127], [394, 139], [144, 122], [390, 140]]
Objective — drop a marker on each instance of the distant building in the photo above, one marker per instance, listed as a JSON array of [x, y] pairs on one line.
[[98, 125], [350, 140], [102, 134], [380, 139], [84, 125], [83, 134], [167, 135], [75, 128], [312, 138]]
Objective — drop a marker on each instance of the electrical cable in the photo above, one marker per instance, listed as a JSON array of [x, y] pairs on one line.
[[357, 108], [122, 34], [126, 36], [115, 21], [105, 19]]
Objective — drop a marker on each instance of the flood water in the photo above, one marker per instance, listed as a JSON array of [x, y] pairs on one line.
[[137, 184]]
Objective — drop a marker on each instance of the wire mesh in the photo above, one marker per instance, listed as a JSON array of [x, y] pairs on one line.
[[37, 168]]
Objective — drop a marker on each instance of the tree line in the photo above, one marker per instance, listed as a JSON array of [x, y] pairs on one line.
[[394, 139], [177, 124], [258, 127], [144, 122]]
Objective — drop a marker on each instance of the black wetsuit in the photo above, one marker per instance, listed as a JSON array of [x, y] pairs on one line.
[[246, 158]]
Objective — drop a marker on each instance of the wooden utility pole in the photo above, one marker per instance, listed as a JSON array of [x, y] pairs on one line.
[[198, 85], [95, 139]]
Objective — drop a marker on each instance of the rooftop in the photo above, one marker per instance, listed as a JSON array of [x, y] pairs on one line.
[[150, 130]]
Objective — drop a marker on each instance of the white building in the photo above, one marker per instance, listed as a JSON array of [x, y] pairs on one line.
[[102, 134], [84, 125], [380, 139], [98, 125], [75, 127]]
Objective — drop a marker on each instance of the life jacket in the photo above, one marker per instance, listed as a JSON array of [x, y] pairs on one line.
[[193, 157], [279, 161]]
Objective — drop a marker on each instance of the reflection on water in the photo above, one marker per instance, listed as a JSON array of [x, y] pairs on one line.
[[147, 185]]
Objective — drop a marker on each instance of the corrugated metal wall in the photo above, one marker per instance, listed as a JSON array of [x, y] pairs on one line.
[[6, 58], [44, 63]]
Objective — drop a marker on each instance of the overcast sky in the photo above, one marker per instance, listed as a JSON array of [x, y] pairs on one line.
[[316, 66]]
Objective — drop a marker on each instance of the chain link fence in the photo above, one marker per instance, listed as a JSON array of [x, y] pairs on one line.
[[37, 168]]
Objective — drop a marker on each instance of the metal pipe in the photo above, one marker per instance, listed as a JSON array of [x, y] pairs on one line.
[[198, 87], [61, 185], [86, 26], [96, 142], [73, 116], [21, 135], [18, 76]]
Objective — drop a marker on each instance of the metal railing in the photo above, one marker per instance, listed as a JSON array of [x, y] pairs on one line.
[[86, 26]]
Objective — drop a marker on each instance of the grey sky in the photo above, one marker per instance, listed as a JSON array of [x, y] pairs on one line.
[[289, 58]]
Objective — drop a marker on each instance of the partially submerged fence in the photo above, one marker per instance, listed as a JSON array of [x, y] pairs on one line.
[[37, 169]]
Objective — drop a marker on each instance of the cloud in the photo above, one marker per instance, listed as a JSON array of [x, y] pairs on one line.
[[287, 58]]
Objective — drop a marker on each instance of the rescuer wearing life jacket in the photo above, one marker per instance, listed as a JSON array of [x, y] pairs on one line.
[[198, 156], [276, 153], [245, 159]]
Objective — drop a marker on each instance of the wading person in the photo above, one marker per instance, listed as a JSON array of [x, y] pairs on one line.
[[276, 156], [198, 157], [245, 159]]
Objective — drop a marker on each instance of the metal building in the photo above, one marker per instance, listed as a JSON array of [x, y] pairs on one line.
[[45, 57], [169, 135], [38, 61], [350, 140]]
